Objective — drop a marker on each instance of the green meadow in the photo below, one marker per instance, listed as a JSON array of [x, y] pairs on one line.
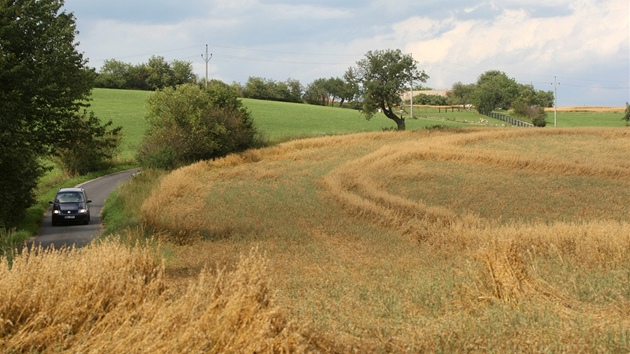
[[280, 121], [586, 119]]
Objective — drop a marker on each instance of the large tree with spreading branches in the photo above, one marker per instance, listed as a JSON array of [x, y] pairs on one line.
[[44, 86], [382, 76]]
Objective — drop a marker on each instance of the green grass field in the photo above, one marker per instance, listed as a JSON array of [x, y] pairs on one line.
[[586, 119], [125, 108], [280, 121]]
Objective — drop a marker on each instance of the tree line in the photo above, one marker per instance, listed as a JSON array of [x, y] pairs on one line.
[[156, 74], [493, 89]]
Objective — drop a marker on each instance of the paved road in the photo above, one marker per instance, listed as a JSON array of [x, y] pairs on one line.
[[80, 235]]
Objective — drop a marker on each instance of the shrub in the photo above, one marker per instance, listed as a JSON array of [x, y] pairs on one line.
[[536, 114], [189, 124], [539, 121]]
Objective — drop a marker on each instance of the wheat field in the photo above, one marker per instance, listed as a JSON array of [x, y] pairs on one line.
[[473, 240]]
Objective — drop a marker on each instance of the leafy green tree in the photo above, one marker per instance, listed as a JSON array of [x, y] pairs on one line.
[[160, 73], [138, 77], [494, 90], [183, 72], [296, 90], [155, 74], [460, 94], [432, 100], [258, 88], [382, 76], [530, 104], [340, 90], [626, 117], [91, 147], [189, 123], [316, 92], [44, 82], [113, 74]]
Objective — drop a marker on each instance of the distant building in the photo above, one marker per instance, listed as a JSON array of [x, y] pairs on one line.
[[407, 95]]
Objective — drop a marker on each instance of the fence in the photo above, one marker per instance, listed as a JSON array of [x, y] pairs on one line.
[[507, 119]]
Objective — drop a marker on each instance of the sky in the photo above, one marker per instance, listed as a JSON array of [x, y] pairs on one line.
[[578, 48]]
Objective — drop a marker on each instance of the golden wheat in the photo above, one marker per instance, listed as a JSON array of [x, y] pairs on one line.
[[505, 240], [111, 298], [367, 243]]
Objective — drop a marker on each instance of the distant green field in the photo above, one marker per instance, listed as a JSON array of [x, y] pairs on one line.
[[125, 108], [280, 121], [586, 119], [277, 120]]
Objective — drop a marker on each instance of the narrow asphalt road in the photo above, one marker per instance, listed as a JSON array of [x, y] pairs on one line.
[[80, 235]]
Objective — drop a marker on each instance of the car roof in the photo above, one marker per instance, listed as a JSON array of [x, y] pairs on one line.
[[73, 189]]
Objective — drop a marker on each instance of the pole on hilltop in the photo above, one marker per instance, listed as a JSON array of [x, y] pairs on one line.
[[555, 102], [206, 59]]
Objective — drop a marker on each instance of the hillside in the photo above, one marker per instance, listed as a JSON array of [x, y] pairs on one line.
[[422, 240], [489, 240]]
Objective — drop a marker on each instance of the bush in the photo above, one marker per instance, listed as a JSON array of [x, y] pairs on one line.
[[189, 124], [539, 121], [431, 100], [536, 114]]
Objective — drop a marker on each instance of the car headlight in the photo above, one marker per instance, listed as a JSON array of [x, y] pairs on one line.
[[82, 211], [56, 212]]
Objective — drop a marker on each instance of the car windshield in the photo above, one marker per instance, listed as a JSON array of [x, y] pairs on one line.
[[69, 197]]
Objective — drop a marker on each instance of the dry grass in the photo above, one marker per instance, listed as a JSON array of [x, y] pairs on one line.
[[496, 240], [508, 240], [112, 298]]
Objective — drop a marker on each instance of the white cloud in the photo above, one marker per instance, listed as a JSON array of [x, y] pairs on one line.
[[520, 44], [453, 40]]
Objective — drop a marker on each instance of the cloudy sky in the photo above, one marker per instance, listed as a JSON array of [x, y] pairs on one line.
[[585, 44]]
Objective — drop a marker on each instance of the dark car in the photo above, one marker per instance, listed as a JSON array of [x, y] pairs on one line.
[[71, 205]]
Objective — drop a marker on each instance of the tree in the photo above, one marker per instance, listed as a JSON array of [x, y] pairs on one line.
[[44, 82], [460, 94], [183, 72], [91, 147], [494, 90], [382, 76], [295, 90], [189, 123], [160, 73], [626, 117], [316, 92], [113, 74], [431, 100]]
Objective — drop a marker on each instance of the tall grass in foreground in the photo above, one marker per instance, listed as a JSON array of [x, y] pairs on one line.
[[424, 241], [111, 298]]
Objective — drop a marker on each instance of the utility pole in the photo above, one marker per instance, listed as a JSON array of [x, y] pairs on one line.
[[555, 102], [411, 99], [206, 59]]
